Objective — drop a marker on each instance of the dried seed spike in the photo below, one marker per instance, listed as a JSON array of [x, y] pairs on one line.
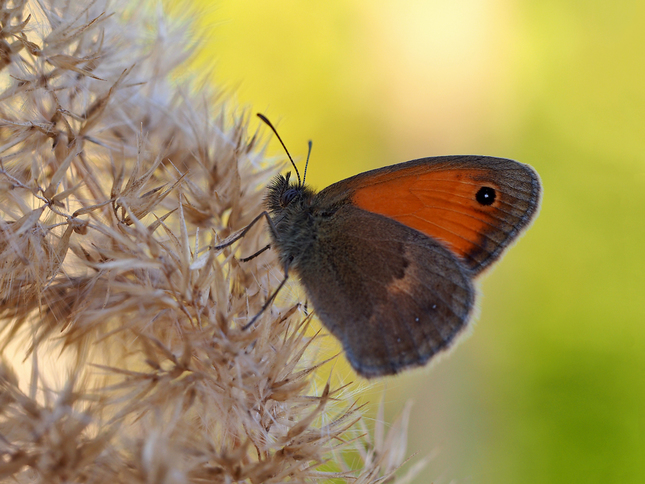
[[139, 370]]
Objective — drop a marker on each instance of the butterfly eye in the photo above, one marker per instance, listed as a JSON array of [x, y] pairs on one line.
[[486, 196], [288, 196]]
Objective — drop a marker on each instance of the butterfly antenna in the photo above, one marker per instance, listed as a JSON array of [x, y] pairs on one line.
[[304, 176], [268, 123]]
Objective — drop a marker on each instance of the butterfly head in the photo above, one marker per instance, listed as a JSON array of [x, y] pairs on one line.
[[289, 205], [284, 195]]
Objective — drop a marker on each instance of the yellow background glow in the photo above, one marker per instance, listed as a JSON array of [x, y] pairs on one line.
[[550, 386]]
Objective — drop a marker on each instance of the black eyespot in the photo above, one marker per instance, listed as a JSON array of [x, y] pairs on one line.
[[486, 196], [288, 196]]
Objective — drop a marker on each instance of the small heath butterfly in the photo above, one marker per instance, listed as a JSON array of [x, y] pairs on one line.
[[388, 257]]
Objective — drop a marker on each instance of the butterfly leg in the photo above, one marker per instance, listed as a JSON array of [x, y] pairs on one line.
[[253, 256], [270, 300], [282, 283], [237, 237], [244, 231]]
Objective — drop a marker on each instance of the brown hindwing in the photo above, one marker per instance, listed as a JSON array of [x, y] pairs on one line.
[[393, 296]]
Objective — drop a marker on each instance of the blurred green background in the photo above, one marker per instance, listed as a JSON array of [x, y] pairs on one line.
[[550, 386]]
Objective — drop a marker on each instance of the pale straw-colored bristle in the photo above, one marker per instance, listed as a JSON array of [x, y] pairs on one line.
[[124, 353]]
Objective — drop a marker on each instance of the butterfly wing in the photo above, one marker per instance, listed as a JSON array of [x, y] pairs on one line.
[[391, 295], [475, 205]]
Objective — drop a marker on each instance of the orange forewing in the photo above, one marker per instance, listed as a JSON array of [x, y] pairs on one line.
[[441, 205], [439, 199]]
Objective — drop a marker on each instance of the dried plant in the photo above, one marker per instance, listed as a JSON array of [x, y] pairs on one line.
[[116, 180]]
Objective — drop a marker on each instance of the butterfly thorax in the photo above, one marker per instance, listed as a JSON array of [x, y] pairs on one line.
[[292, 210]]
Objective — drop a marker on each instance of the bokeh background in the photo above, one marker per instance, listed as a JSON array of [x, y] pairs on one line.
[[550, 386]]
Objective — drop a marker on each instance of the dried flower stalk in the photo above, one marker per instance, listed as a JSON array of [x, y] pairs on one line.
[[115, 182]]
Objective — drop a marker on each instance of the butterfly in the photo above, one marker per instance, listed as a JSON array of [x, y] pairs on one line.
[[388, 258]]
